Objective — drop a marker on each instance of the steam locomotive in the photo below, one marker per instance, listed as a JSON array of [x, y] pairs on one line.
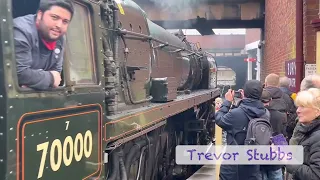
[[131, 92]]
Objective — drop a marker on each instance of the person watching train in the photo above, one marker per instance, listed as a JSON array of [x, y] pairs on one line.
[[284, 83], [235, 121], [310, 81], [307, 134], [39, 44]]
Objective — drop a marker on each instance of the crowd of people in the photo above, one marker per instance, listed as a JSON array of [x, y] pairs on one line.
[[295, 117]]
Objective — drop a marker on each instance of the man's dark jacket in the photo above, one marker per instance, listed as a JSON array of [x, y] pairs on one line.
[[236, 122], [278, 110]]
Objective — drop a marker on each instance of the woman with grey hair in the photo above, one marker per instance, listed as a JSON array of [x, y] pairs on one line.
[[307, 134]]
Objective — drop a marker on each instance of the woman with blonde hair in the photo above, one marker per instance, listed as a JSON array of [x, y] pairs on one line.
[[307, 134]]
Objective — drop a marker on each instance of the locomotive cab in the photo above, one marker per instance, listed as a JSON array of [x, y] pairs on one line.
[[39, 128]]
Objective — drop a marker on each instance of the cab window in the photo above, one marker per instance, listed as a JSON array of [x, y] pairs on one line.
[[79, 56], [79, 66]]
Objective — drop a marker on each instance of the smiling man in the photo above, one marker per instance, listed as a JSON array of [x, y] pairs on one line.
[[39, 44]]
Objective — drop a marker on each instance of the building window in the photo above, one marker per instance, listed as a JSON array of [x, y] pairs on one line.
[[79, 54]]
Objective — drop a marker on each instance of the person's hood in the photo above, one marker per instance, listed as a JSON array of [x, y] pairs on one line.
[[275, 92], [252, 107], [253, 89]]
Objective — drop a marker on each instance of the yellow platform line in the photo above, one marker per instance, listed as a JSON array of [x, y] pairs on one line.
[[218, 136]]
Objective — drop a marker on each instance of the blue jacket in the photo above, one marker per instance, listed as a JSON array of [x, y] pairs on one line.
[[34, 60], [235, 121]]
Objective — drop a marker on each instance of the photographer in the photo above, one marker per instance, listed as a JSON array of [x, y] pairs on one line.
[[235, 121]]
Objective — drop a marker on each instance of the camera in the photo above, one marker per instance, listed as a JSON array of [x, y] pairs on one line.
[[237, 94]]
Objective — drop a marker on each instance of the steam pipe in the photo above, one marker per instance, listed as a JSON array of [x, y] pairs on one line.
[[134, 150], [123, 172], [140, 160], [116, 41], [299, 44], [115, 166]]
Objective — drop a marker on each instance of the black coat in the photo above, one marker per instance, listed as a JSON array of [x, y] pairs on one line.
[[292, 114], [236, 121], [309, 137], [278, 110]]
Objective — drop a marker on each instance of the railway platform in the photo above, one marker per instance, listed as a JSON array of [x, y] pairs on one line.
[[206, 172], [211, 171]]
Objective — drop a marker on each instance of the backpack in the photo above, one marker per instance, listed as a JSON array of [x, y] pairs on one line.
[[259, 130]]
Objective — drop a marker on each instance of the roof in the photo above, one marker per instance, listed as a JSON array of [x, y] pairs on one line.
[[219, 41]]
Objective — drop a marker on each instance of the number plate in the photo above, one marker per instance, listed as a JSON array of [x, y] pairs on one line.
[[66, 146]]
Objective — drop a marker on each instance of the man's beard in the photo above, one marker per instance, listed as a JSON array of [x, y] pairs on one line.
[[44, 33]]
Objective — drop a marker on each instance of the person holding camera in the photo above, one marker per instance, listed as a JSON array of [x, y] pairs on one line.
[[235, 122]]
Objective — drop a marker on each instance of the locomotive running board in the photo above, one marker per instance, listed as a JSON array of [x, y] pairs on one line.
[[121, 141], [129, 122]]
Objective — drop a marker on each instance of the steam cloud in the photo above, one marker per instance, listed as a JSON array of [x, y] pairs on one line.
[[177, 5], [181, 8]]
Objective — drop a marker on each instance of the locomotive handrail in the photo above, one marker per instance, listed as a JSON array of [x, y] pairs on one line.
[[178, 50], [150, 38], [191, 54], [124, 32], [161, 46]]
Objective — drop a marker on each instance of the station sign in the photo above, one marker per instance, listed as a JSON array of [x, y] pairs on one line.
[[290, 72]]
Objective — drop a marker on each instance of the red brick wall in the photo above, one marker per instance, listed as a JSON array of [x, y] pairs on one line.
[[279, 36], [310, 12], [252, 35]]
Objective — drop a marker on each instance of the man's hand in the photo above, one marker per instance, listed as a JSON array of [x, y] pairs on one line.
[[56, 78], [229, 95]]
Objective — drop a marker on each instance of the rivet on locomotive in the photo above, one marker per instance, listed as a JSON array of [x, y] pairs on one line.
[[131, 92]]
